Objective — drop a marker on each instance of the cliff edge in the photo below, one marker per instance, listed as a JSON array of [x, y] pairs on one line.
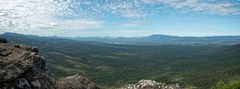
[[21, 67]]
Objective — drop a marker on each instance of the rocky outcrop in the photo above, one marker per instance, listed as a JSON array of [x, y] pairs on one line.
[[150, 84], [75, 82], [22, 68]]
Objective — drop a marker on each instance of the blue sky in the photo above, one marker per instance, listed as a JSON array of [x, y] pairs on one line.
[[120, 18]]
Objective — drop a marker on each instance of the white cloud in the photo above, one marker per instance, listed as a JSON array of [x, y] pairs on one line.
[[20, 15], [79, 24], [26, 16], [202, 6], [126, 8]]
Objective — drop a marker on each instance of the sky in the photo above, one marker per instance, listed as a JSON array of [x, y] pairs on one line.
[[120, 18]]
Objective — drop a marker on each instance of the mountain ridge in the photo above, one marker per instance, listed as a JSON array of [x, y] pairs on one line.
[[158, 39], [154, 39]]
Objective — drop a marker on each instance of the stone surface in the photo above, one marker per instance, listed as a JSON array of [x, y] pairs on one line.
[[22, 68], [76, 82], [150, 84]]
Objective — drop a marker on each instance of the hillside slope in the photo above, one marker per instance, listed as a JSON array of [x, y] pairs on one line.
[[112, 65]]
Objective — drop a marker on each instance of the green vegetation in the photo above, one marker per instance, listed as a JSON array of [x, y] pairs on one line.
[[200, 66], [223, 85]]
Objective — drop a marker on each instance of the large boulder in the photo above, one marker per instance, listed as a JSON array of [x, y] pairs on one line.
[[75, 82]]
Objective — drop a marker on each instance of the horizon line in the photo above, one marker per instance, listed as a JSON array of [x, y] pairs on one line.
[[120, 36]]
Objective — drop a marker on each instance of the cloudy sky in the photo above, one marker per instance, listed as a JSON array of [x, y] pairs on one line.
[[118, 18]]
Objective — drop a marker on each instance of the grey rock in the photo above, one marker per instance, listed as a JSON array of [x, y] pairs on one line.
[[76, 82], [22, 68], [151, 84]]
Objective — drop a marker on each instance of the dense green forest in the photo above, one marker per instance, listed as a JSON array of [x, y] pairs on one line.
[[201, 66]]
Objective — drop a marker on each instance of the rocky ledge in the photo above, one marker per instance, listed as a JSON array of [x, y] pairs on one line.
[[22, 68]]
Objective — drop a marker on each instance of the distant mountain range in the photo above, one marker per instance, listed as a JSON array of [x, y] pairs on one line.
[[163, 39], [154, 40]]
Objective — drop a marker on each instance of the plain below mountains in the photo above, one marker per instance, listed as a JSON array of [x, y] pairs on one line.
[[199, 65]]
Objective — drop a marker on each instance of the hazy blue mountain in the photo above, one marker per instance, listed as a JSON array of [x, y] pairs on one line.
[[163, 39]]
